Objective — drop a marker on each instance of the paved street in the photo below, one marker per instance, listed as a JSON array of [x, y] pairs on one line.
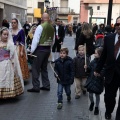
[[43, 105]]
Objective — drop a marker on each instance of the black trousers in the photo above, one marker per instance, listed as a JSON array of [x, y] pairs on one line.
[[110, 95], [40, 65], [56, 47]]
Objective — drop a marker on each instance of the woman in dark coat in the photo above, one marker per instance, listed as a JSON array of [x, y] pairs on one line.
[[87, 37]]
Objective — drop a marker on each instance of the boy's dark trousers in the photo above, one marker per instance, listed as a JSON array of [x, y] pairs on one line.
[[60, 91]]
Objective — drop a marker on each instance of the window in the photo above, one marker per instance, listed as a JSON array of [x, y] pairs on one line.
[[75, 19], [98, 7], [29, 4]]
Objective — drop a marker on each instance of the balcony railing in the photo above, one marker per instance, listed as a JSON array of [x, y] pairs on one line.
[[63, 10]]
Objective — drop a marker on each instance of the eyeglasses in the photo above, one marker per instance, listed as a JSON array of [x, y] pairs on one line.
[[13, 22], [117, 24]]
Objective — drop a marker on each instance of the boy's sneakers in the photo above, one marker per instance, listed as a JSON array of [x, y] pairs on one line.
[[96, 112], [59, 106], [77, 96], [68, 98], [91, 106]]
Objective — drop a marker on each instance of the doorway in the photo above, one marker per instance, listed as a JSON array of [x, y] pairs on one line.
[[1, 17]]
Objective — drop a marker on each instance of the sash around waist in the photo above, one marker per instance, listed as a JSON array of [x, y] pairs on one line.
[[43, 48], [4, 57]]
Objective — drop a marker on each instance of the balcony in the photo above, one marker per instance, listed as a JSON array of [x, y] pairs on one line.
[[63, 10]]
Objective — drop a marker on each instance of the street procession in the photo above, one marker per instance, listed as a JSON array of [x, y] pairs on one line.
[[59, 59]]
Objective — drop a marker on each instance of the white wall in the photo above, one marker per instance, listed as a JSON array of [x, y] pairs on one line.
[[31, 4], [103, 12], [56, 3], [74, 4]]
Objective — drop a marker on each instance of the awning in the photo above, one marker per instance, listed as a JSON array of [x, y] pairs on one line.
[[37, 12]]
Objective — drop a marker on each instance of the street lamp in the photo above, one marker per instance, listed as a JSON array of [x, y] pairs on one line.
[[47, 3], [109, 12]]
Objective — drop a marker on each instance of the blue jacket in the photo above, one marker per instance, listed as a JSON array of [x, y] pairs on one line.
[[65, 70]]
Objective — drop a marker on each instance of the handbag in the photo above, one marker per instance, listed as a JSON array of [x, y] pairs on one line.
[[94, 84]]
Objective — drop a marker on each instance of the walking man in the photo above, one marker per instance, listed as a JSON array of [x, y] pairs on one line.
[[41, 47], [111, 57], [59, 36]]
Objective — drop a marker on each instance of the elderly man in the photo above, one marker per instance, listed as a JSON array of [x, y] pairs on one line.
[[41, 47], [111, 56]]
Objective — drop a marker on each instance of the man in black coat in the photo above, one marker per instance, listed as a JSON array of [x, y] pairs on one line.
[[111, 57], [59, 36], [26, 28]]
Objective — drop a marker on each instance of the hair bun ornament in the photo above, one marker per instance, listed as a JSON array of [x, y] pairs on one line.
[[3, 28]]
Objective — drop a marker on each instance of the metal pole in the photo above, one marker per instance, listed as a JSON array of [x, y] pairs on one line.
[[109, 12]]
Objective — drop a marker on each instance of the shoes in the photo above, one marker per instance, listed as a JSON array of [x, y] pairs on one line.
[[77, 96], [91, 106], [59, 106], [34, 90], [84, 92], [107, 116], [44, 88], [68, 98], [52, 62], [96, 112]]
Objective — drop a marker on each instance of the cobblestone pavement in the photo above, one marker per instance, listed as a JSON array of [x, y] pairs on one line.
[[43, 105]]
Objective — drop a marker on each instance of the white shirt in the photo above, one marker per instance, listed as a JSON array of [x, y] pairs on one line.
[[57, 27], [36, 38], [116, 39]]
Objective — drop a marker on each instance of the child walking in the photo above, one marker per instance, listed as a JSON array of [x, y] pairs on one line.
[[94, 84], [80, 75], [65, 75]]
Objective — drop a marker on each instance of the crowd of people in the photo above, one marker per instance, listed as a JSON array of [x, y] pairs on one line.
[[34, 44]]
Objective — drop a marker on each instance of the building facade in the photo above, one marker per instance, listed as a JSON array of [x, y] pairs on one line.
[[35, 9], [68, 10], [13, 9], [100, 11]]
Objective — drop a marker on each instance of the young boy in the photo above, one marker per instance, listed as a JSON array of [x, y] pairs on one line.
[[80, 75], [65, 75]]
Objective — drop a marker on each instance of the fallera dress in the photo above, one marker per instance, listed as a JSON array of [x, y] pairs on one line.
[[11, 82], [19, 41]]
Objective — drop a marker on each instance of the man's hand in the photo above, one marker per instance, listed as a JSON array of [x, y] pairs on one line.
[[96, 74], [61, 43], [31, 54]]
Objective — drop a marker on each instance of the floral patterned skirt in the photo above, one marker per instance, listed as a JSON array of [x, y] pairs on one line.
[[12, 92], [24, 65]]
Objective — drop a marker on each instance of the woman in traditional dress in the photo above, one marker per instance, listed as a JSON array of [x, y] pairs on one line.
[[11, 81], [29, 42], [19, 42]]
